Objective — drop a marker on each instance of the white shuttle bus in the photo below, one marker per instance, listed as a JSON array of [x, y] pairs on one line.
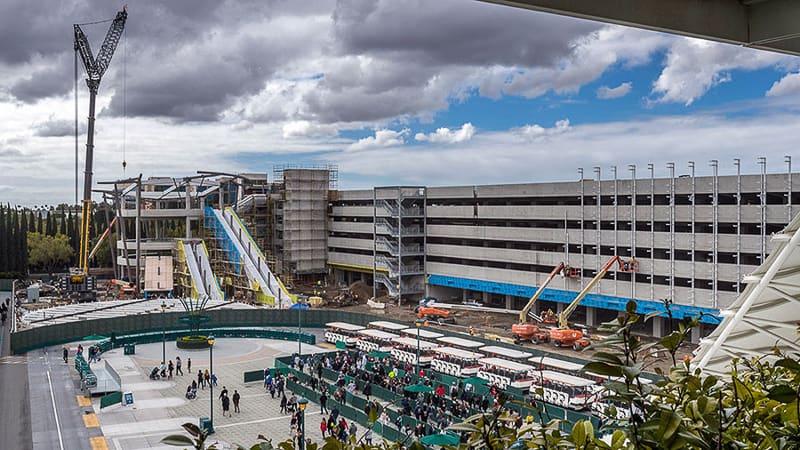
[[495, 351], [342, 332], [405, 350], [423, 334], [464, 344], [391, 327], [564, 390], [456, 362], [504, 373], [372, 339]]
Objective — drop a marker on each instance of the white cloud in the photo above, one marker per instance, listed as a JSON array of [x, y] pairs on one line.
[[304, 128], [535, 131], [606, 93], [788, 85], [694, 66], [383, 138], [501, 157], [447, 136]]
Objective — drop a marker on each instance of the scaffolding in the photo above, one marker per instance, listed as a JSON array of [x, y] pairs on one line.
[[300, 218]]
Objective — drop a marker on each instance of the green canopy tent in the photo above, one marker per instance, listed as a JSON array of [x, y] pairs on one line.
[[378, 354], [418, 388], [94, 337], [477, 381], [440, 439], [341, 345]]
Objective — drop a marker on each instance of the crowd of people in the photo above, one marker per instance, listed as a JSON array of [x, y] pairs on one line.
[[433, 410]]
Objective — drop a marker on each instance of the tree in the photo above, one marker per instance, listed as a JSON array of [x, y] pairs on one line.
[[49, 253]]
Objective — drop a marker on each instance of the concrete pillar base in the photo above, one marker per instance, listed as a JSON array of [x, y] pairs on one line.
[[658, 327], [591, 316], [696, 334], [509, 302]]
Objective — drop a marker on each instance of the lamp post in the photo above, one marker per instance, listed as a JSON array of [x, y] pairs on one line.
[[211, 371], [302, 403], [163, 333], [418, 323], [299, 330]]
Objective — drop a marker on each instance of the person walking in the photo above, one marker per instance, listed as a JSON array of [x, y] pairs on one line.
[[170, 368], [178, 370], [236, 398], [189, 365], [65, 353], [283, 404], [200, 379], [368, 436], [323, 403], [226, 405], [224, 392], [323, 426], [207, 378]]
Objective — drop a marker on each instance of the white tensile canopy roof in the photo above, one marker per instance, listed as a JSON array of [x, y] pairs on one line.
[[767, 313]]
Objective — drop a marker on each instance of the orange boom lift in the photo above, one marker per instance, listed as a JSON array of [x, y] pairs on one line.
[[566, 336]]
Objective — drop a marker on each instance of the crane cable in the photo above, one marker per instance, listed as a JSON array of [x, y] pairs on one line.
[[124, 96]]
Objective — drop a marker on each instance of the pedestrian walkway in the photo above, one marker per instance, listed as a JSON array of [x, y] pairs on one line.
[[160, 407]]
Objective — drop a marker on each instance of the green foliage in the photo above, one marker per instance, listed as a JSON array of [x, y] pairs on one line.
[[196, 439], [49, 253]]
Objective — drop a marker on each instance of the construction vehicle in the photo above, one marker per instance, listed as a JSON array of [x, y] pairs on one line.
[[78, 284], [566, 336], [526, 331], [425, 310], [122, 289]]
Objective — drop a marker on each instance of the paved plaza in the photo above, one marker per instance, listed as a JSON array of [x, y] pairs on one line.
[[160, 407]]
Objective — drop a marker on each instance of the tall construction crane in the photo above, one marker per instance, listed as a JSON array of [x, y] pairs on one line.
[[525, 331], [564, 335], [79, 282]]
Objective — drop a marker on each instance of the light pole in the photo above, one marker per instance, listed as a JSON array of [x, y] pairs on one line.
[[418, 323], [163, 333], [211, 371], [299, 329], [302, 403]]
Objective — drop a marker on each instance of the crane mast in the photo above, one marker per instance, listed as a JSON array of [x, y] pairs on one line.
[[95, 68]]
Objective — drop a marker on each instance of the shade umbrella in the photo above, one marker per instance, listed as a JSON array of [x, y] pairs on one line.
[[439, 439], [418, 388], [378, 354], [477, 381]]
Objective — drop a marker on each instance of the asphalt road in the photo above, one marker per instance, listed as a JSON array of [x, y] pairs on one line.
[[15, 414]]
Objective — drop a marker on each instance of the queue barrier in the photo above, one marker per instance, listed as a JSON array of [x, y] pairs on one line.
[[110, 399], [254, 375]]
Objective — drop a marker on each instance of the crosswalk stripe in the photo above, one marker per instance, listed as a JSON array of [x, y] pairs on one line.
[[98, 443]]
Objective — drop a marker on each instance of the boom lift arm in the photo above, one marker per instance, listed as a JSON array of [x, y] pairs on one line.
[[623, 265], [95, 68], [523, 314]]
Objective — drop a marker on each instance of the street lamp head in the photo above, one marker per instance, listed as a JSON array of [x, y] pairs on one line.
[[419, 322], [211, 340], [302, 403]]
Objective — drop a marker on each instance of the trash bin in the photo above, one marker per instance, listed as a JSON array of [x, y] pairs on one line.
[[129, 349], [205, 424]]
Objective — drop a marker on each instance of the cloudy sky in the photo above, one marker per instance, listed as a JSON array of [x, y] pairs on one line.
[[391, 91]]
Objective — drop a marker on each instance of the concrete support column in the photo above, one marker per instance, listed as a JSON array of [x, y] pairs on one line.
[[658, 327], [591, 316], [463, 295], [486, 298], [509, 302], [696, 334], [560, 307]]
